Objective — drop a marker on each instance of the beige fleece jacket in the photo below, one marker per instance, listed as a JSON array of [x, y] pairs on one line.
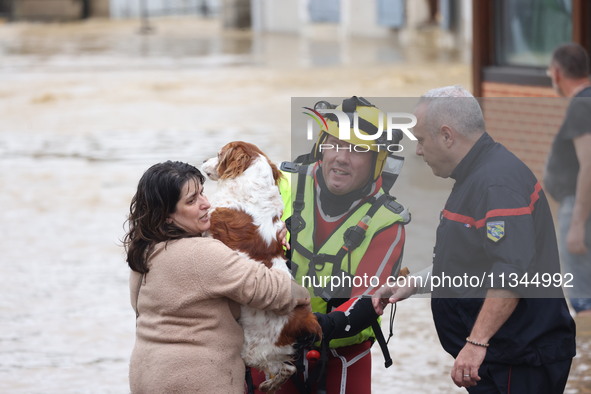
[[187, 336]]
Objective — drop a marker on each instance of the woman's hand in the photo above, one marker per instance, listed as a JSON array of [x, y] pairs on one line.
[[282, 236], [301, 295]]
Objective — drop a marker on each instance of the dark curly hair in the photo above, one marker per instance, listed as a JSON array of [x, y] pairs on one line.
[[158, 192]]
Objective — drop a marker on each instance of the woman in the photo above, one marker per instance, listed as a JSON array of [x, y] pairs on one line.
[[187, 289]]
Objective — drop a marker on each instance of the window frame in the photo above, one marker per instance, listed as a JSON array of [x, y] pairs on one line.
[[485, 67]]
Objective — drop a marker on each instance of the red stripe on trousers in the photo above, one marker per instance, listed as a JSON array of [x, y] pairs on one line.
[[509, 381]]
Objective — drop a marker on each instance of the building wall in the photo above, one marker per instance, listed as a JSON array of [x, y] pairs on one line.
[[357, 18], [47, 9], [455, 32], [100, 8], [236, 14], [539, 113], [362, 18], [133, 8], [278, 16], [57, 10]]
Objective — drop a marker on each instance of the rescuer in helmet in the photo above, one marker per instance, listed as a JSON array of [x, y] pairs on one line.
[[347, 238]]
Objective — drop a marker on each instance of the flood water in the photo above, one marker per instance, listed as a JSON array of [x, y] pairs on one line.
[[87, 107]]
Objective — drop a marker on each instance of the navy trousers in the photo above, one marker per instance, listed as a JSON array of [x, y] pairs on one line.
[[522, 379]]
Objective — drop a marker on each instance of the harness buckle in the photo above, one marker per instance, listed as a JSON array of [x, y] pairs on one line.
[[353, 237], [296, 223], [318, 261], [289, 166]]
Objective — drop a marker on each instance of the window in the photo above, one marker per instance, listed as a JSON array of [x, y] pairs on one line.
[[527, 31]]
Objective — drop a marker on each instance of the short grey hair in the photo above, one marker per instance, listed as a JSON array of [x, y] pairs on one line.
[[455, 107]]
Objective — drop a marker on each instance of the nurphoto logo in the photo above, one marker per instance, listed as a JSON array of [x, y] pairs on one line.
[[402, 121]]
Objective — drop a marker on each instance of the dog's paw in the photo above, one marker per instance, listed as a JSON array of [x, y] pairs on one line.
[[273, 384]]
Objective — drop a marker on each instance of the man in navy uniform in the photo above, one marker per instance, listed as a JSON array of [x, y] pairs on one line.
[[506, 336]]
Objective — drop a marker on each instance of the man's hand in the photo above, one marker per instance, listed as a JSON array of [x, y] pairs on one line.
[[390, 295], [575, 239], [496, 309], [465, 370]]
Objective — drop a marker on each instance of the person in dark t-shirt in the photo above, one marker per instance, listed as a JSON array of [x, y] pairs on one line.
[[568, 171]]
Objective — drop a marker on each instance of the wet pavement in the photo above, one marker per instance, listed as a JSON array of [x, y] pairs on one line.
[[87, 107]]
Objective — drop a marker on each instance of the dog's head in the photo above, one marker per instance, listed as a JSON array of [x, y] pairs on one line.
[[233, 159]]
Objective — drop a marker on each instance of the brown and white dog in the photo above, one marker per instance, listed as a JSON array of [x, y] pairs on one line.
[[246, 216]]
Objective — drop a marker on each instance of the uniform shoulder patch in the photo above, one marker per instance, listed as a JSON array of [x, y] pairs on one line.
[[495, 231]]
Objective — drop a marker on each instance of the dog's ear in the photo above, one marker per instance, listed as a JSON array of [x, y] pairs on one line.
[[277, 175], [234, 161]]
